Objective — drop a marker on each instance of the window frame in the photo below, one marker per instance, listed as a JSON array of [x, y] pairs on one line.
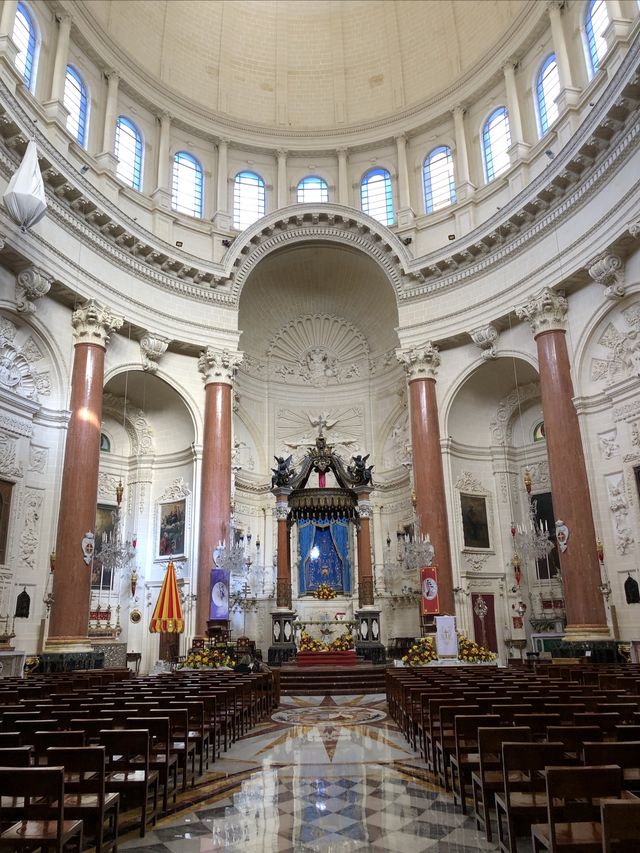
[[388, 193], [594, 64], [138, 165], [489, 178], [29, 79], [236, 210], [426, 170], [197, 210], [323, 185], [83, 120], [542, 108]]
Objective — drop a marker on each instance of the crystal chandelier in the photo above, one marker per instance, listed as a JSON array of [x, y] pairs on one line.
[[530, 541], [236, 558]]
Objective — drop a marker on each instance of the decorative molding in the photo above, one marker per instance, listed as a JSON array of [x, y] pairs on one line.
[[31, 516], [10, 465], [608, 444], [501, 428], [365, 509], [38, 459], [31, 284], [281, 511], [175, 491], [468, 484], [634, 228], [627, 412], [622, 360], [420, 362], [297, 430], [619, 506], [545, 311], [476, 562], [485, 337], [16, 426], [107, 484], [93, 323], [608, 270], [16, 372], [152, 348], [135, 423], [218, 366], [540, 477]]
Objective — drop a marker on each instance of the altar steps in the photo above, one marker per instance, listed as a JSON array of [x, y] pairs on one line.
[[361, 678]]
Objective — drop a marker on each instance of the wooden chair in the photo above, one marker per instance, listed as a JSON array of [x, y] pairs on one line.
[[181, 745], [15, 756], [465, 758], [432, 727], [85, 796], [626, 732], [524, 800], [605, 720], [199, 730], [161, 758], [620, 821], [445, 744], [43, 740], [10, 739], [573, 737], [41, 793], [488, 779], [537, 722], [128, 771], [572, 794], [625, 754]]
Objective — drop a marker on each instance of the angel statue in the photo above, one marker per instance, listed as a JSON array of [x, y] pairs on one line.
[[283, 473], [360, 471]]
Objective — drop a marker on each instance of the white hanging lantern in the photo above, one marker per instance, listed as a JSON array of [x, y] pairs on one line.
[[24, 198]]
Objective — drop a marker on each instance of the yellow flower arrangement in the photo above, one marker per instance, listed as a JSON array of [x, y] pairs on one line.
[[472, 652], [343, 643], [206, 659], [324, 592], [308, 644], [424, 651]]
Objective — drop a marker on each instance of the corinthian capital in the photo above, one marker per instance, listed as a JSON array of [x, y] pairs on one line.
[[219, 365], [608, 270], [31, 284], [420, 362], [152, 348], [93, 323], [545, 311]]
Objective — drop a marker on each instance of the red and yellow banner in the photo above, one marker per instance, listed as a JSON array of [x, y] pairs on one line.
[[430, 601]]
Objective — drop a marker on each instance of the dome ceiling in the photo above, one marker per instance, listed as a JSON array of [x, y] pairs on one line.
[[299, 64]]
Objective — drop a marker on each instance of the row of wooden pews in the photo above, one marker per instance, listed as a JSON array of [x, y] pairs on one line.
[[110, 741], [549, 753]]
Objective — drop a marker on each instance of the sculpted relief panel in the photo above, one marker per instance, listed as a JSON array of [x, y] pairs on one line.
[[17, 373], [619, 344]]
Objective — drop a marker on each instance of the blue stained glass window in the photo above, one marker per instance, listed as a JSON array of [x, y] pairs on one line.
[[76, 102], [496, 141], [312, 190], [128, 150], [547, 90], [438, 178], [376, 197], [596, 22], [24, 36], [248, 199], [187, 185]]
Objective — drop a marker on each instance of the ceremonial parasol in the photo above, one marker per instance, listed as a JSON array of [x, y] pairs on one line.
[[167, 616]]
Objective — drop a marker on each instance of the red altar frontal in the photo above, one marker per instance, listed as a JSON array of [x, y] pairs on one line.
[[348, 658]]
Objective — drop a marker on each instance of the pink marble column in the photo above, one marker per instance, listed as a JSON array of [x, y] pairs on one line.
[[365, 569], [422, 365], [218, 369], [283, 580], [586, 617], [92, 325]]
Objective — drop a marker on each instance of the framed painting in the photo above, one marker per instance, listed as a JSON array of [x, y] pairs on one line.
[[475, 526], [101, 575], [171, 528]]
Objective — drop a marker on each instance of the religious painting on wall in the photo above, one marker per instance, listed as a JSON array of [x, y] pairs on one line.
[[5, 511], [475, 526], [172, 526], [101, 575]]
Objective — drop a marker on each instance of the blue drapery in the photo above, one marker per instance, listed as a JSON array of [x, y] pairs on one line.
[[324, 554]]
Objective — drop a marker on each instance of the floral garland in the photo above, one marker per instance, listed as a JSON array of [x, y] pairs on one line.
[[343, 643], [324, 592], [206, 659], [308, 644], [424, 651]]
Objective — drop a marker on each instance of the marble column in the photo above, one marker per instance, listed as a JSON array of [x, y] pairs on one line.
[[586, 617], [365, 569], [283, 579], [421, 365], [343, 181], [218, 369], [162, 192], [283, 189], [107, 158], [92, 325]]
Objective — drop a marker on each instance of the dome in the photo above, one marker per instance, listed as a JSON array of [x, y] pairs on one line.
[[314, 65]]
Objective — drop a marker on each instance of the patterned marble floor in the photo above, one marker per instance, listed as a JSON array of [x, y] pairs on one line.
[[328, 774]]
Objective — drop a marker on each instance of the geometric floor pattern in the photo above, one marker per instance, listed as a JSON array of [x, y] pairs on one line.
[[344, 780]]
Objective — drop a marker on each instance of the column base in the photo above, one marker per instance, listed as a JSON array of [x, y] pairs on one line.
[[222, 220], [8, 71], [107, 161], [162, 197], [56, 111], [368, 645], [70, 661], [72, 645], [586, 633]]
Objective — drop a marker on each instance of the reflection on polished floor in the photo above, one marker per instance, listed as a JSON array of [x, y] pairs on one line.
[[327, 774]]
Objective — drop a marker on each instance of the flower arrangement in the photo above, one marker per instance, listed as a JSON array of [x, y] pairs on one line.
[[324, 592], [206, 659], [471, 652], [343, 643], [421, 652], [308, 644]]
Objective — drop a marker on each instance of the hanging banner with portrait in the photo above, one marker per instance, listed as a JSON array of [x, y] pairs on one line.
[[219, 597], [430, 599]]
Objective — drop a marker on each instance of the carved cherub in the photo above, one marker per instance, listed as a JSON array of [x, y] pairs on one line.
[[359, 470], [283, 473]]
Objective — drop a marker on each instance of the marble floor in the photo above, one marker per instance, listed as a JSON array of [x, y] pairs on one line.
[[326, 774]]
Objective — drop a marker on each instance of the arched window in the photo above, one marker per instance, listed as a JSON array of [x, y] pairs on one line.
[[76, 102], [496, 141], [129, 152], [547, 90], [248, 199], [24, 36], [596, 22], [438, 179], [187, 185], [312, 190], [105, 443], [376, 197]]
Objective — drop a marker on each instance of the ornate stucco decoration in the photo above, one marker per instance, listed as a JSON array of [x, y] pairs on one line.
[[501, 427], [623, 357], [397, 447], [420, 362], [31, 521], [634, 228], [107, 484], [93, 323], [218, 365], [619, 506], [297, 430], [152, 348], [10, 466], [468, 484], [539, 473], [135, 423], [608, 270], [31, 284], [177, 490], [545, 311], [485, 337], [16, 372]]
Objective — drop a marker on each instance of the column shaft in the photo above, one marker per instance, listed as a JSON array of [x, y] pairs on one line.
[[78, 497], [283, 193], [513, 104], [8, 17], [365, 572], [162, 174], [215, 496], [462, 154], [283, 583], [560, 46], [221, 189], [431, 505], [343, 183], [404, 195], [570, 488], [62, 54], [110, 111]]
